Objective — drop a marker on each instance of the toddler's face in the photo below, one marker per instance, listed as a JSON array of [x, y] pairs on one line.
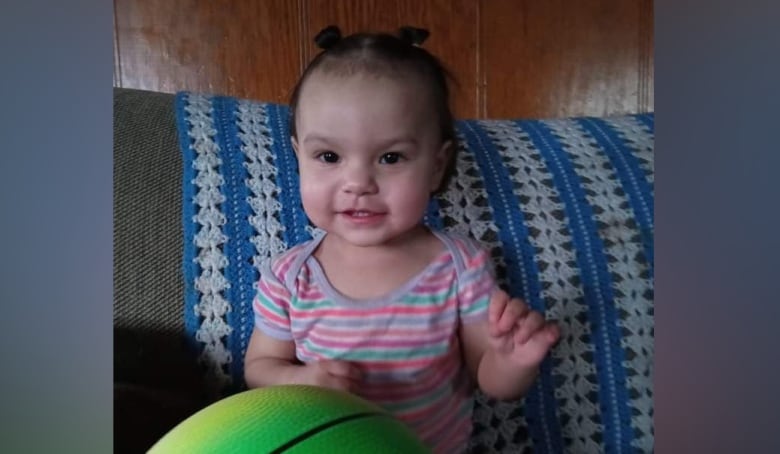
[[369, 155]]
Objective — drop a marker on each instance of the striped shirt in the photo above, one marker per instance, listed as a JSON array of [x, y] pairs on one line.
[[406, 343]]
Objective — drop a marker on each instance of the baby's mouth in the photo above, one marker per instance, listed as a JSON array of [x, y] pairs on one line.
[[360, 213], [363, 216]]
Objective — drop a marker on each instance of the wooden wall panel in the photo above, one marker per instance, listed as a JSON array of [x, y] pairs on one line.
[[451, 23], [241, 48], [511, 58], [117, 65], [558, 58], [646, 57]]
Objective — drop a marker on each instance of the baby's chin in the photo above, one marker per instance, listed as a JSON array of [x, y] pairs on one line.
[[361, 239], [378, 237]]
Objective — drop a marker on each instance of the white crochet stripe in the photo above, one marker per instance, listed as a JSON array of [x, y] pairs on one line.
[[601, 183], [256, 142], [562, 298], [471, 218], [464, 210], [634, 130], [212, 306]]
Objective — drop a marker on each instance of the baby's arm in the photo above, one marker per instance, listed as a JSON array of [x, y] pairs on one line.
[[503, 353], [270, 361]]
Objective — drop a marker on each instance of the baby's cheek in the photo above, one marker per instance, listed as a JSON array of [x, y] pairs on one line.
[[313, 177], [310, 182], [316, 201]]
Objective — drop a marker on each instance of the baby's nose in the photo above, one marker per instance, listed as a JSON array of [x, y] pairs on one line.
[[359, 181]]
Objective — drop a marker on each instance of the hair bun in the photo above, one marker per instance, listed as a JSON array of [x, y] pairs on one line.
[[327, 37], [413, 35]]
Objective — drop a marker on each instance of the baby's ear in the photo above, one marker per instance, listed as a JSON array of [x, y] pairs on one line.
[[294, 144]]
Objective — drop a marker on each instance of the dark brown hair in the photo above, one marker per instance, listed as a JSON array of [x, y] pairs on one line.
[[383, 54]]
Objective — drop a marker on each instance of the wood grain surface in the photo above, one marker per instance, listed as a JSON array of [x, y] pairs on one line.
[[510, 58], [560, 58], [246, 48]]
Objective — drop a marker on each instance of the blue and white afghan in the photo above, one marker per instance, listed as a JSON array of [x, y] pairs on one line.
[[565, 205]]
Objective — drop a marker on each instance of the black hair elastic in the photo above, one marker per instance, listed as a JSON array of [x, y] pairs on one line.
[[327, 37], [413, 35]]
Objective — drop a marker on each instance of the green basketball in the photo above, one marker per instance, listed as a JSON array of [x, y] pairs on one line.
[[290, 419]]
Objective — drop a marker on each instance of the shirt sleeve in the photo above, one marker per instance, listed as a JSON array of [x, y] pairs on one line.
[[271, 305], [475, 285]]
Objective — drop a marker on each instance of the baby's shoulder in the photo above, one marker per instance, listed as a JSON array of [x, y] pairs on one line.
[[462, 247], [286, 264]]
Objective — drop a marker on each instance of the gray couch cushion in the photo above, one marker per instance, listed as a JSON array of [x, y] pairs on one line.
[[157, 382], [147, 213]]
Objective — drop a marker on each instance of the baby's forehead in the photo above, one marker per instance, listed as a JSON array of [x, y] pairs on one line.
[[364, 111], [362, 89]]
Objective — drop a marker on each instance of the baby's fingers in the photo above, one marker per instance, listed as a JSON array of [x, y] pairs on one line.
[[528, 326], [503, 313], [498, 301], [552, 332], [515, 311], [339, 383], [343, 369], [547, 335]]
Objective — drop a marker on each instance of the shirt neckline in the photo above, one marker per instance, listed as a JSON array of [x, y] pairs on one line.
[[393, 295]]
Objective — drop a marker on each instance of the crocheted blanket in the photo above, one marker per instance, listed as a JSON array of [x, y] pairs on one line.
[[565, 206]]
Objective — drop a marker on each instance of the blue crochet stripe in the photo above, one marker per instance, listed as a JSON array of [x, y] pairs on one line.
[[522, 274], [191, 269], [648, 120], [632, 178], [239, 250], [292, 215], [432, 217], [597, 287]]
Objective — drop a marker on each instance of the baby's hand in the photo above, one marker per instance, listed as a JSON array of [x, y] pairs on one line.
[[518, 333], [340, 375]]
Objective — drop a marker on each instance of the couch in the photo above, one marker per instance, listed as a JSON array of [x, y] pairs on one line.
[[565, 205]]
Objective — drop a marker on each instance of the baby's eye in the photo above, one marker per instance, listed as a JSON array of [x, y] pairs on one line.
[[328, 156], [390, 158]]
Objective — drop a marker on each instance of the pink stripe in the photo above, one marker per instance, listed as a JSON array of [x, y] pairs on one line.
[[376, 343], [456, 440], [396, 366], [311, 294], [305, 355], [271, 316], [478, 260], [476, 288], [426, 289], [362, 313], [475, 272], [282, 265], [440, 278], [447, 416], [431, 419], [469, 247], [383, 392], [357, 333], [277, 293]]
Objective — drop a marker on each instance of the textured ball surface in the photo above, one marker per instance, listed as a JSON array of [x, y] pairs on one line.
[[290, 419]]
